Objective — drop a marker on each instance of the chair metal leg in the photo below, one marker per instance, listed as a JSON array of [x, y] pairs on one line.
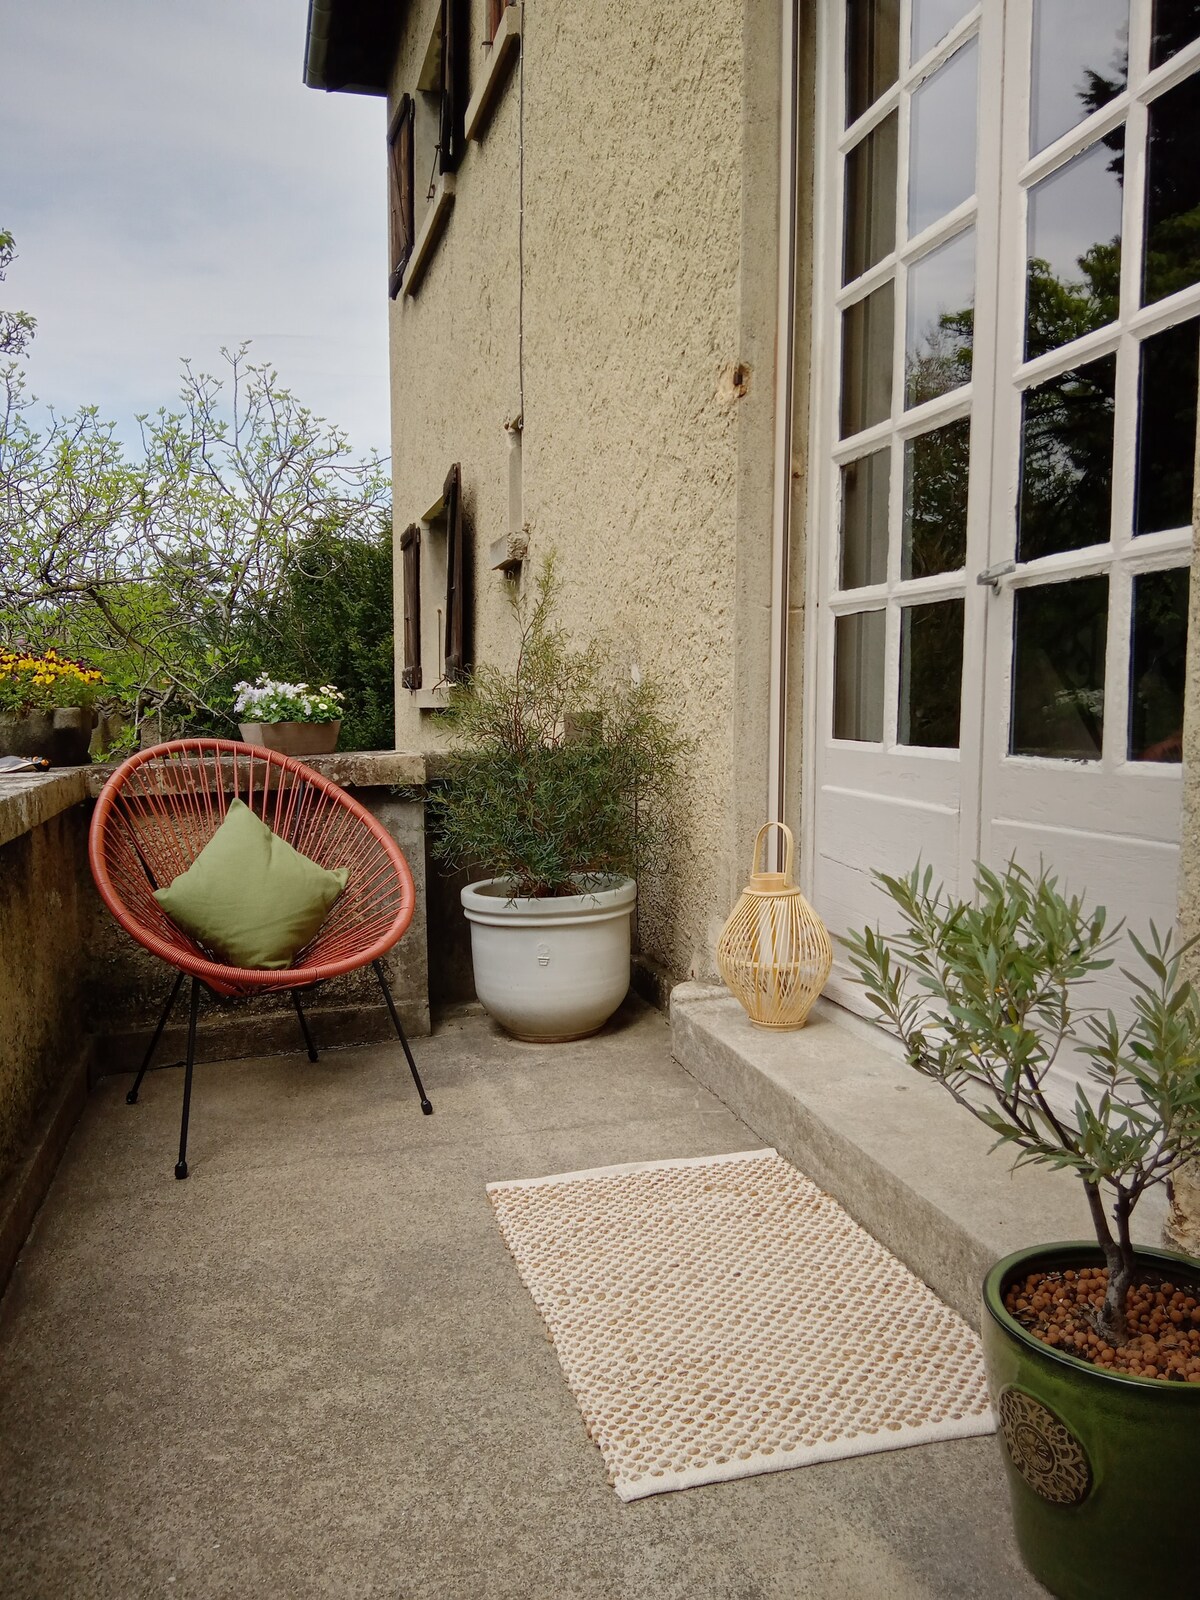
[[131, 1097], [181, 1168], [412, 1065], [308, 1040]]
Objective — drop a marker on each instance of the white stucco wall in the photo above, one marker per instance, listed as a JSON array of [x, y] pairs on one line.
[[649, 254]]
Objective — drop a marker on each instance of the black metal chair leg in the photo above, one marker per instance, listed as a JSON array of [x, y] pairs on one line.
[[131, 1097], [412, 1065], [312, 1049], [181, 1168]]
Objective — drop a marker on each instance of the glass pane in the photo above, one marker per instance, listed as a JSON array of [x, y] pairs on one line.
[[1080, 63], [1158, 660], [870, 199], [932, 20], [858, 676], [867, 329], [865, 520], [1172, 193], [1176, 23], [1058, 669], [941, 169], [1167, 429], [1074, 276], [931, 652], [941, 320], [935, 500], [872, 52], [1066, 461]]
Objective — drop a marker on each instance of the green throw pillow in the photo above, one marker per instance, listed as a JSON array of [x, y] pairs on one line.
[[249, 897]]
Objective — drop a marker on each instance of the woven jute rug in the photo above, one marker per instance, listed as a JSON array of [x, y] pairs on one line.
[[721, 1317]]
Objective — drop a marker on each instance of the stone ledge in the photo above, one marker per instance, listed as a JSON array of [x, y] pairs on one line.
[[350, 769], [28, 799], [907, 1163]]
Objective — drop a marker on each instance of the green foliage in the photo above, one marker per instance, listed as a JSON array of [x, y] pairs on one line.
[[982, 997], [157, 564], [561, 774], [329, 621], [16, 327]]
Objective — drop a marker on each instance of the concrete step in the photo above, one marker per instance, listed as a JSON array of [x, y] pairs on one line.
[[917, 1171]]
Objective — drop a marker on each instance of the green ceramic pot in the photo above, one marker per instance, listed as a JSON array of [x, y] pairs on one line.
[[1102, 1468]]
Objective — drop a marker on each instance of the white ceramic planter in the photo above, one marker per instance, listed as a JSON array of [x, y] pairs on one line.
[[550, 970]]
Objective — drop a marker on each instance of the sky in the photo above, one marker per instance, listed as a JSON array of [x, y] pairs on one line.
[[173, 187]]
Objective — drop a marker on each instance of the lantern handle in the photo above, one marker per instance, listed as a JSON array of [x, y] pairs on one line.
[[789, 848]]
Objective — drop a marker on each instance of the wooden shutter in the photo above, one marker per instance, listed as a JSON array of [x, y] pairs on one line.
[[410, 548], [495, 11], [456, 628], [401, 231], [452, 135]]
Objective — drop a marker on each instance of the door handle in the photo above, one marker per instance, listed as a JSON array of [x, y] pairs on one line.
[[990, 576]]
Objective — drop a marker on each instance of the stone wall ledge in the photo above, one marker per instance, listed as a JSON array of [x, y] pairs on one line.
[[350, 769], [28, 799]]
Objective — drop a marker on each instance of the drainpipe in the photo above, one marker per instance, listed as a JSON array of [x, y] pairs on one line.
[[784, 346]]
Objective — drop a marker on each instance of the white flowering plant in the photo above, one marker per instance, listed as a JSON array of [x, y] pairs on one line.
[[269, 701]]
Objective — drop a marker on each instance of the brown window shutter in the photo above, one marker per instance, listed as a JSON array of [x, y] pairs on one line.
[[495, 11], [452, 134], [401, 231], [410, 547], [456, 628]]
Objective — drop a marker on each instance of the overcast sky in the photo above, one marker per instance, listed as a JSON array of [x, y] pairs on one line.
[[174, 187]]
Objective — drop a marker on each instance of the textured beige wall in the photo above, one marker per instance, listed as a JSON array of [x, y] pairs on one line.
[[651, 170]]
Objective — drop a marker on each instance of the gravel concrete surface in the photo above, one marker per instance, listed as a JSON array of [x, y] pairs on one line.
[[311, 1370]]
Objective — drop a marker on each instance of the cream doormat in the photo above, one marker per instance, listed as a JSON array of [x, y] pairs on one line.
[[721, 1317]]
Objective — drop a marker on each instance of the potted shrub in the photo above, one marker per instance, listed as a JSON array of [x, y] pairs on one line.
[[289, 717], [556, 782], [47, 703], [1092, 1348]]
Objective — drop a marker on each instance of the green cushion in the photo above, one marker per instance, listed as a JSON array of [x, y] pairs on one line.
[[249, 897]]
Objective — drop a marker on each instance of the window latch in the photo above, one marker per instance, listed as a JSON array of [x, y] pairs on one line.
[[990, 576]]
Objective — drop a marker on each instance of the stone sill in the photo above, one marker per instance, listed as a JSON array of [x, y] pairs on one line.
[[912, 1167], [502, 50], [430, 232], [27, 800]]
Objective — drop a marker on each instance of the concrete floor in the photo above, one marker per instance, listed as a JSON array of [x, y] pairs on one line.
[[311, 1370]]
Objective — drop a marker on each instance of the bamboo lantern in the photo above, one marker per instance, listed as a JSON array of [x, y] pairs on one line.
[[774, 952]]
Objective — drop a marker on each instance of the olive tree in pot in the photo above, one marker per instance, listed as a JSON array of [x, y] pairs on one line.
[[558, 782], [1093, 1349]]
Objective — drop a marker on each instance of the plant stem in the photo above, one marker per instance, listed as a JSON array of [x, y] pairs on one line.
[[1109, 1321]]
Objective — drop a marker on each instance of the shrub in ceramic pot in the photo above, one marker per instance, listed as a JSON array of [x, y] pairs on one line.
[[1093, 1348], [289, 717], [558, 784], [47, 703]]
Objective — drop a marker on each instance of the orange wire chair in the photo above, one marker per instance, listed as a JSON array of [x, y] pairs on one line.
[[162, 806]]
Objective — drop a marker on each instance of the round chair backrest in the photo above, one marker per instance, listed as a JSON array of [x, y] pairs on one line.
[[162, 806]]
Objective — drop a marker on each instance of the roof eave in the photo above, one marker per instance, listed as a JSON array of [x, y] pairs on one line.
[[349, 43]]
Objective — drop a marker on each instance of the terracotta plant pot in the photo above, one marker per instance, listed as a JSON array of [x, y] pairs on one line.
[[294, 738], [61, 736], [1102, 1467]]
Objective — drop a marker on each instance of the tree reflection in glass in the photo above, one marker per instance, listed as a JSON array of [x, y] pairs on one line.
[[1059, 633], [1080, 63], [1172, 259], [1158, 665], [940, 328], [936, 475], [1066, 461], [1074, 271], [931, 654], [1176, 23], [1167, 429]]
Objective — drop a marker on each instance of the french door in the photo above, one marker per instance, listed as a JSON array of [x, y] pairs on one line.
[[1008, 298]]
